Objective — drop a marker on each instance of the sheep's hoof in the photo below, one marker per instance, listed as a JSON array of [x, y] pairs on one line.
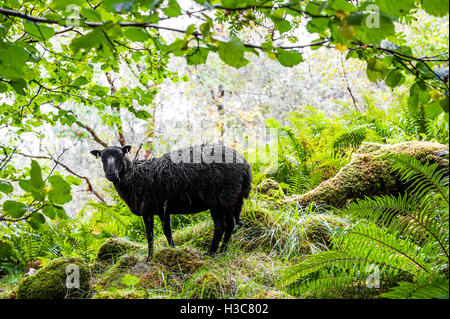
[[208, 254]]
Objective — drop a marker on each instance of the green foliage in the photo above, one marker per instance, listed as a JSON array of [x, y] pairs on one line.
[[405, 237], [38, 198], [354, 138]]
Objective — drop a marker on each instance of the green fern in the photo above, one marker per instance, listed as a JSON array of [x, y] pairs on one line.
[[353, 139], [405, 237]]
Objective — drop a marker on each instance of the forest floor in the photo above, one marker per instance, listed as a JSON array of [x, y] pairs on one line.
[[271, 239]]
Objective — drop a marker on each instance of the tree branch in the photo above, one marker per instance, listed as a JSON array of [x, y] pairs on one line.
[[57, 162], [86, 127]]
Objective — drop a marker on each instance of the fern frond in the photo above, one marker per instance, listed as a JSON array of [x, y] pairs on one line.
[[423, 178], [434, 290], [353, 138]]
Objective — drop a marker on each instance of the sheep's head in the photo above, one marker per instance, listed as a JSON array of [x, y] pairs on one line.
[[114, 161]]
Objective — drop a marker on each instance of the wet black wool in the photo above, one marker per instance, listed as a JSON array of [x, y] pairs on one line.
[[186, 181]]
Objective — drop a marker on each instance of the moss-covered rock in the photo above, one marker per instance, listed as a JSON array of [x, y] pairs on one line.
[[270, 188], [184, 259], [113, 248], [369, 173], [50, 281]]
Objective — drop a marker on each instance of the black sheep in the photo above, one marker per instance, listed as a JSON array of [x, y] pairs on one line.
[[185, 181]]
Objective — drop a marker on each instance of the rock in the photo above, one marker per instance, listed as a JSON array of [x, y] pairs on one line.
[[270, 188], [49, 282], [113, 248], [369, 173]]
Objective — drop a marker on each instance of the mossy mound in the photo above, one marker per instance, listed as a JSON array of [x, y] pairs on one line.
[[369, 173], [270, 188], [128, 261], [50, 281], [184, 259], [151, 276], [113, 248], [207, 284]]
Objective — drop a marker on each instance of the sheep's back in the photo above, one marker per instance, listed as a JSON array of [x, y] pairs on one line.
[[185, 183]]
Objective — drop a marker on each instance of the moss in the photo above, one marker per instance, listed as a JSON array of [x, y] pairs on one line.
[[369, 174], [50, 281], [128, 261], [152, 277], [113, 248], [270, 188], [184, 259], [121, 294], [112, 276], [207, 284]]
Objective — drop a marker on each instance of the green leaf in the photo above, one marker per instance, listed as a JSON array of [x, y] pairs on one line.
[[13, 63], [197, 56], [27, 186], [433, 109], [73, 180], [6, 187], [396, 8], [38, 31], [376, 69], [63, 5], [38, 218], [424, 70], [394, 78], [289, 58], [19, 85], [91, 15], [60, 191], [36, 176], [36, 221], [232, 53], [444, 104], [91, 40], [173, 10], [49, 211], [14, 209], [136, 34], [417, 95], [437, 8], [3, 87], [130, 280]]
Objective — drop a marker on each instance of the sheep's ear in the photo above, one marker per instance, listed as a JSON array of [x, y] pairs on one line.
[[126, 149], [96, 153]]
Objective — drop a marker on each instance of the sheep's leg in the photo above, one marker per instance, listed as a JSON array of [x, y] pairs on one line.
[[165, 220], [229, 227], [237, 211], [218, 218], [148, 222]]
